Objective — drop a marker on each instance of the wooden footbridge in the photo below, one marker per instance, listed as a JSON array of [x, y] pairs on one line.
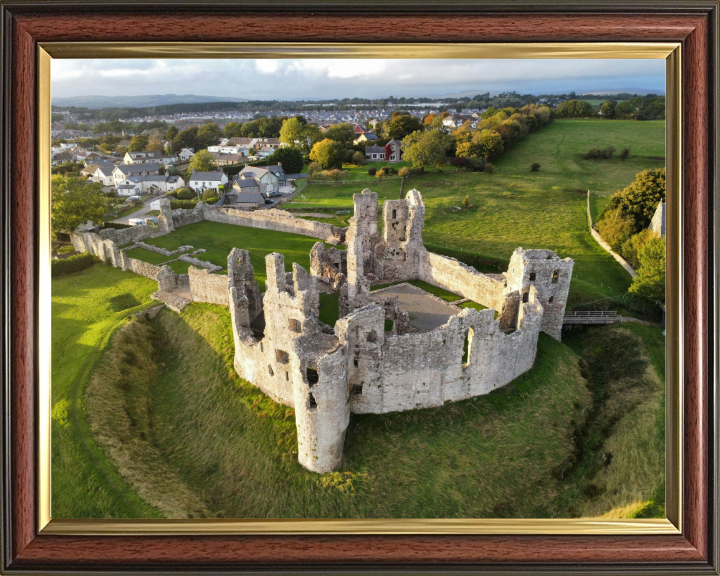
[[592, 317]]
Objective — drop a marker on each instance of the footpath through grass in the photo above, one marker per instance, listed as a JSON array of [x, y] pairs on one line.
[[87, 308]]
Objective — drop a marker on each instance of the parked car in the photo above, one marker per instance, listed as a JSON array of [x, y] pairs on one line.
[[136, 221], [133, 198], [151, 221]]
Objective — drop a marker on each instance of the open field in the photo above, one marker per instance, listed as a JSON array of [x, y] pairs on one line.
[[515, 207], [508, 454], [87, 308], [219, 239]]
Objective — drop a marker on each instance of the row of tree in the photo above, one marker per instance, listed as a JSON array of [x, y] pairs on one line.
[[624, 225], [651, 107]]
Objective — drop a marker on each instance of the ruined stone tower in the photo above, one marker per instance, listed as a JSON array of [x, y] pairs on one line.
[[165, 221], [550, 276]]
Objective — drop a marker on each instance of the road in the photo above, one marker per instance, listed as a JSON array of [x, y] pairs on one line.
[[140, 213]]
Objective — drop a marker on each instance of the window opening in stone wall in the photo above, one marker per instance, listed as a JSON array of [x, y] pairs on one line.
[[287, 376], [532, 276], [261, 347], [355, 361], [388, 325], [372, 336], [282, 356], [526, 296], [294, 325], [555, 276], [394, 214], [271, 370], [312, 402], [357, 390], [550, 299], [312, 376], [467, 345]]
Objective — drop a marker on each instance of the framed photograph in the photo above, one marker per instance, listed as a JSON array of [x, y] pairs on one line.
[[327, 288]]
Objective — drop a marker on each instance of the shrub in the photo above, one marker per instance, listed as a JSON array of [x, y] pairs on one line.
[[314, 168], [115, 225], [372, 171], [630, 249], [489, 168], [624, 154], [380, 174], [466, 201], [207, 194], [461, 162], [187, 204], [534, 167], [111, 194], [73, 264], [478, 164], [600, 154], [404, 171], [211, 200], [66, 249], [389, 170], [184, 194], [616, 228], [171, 194], [358, 158]]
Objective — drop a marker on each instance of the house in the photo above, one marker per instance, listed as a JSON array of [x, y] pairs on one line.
[[267, 177], [129, 187], [393, 151], [144, 157], [89, 170], [245, 185], [358, 129], [61, 158], [201, 181], [185, 154], [123, 171], [250, 199], [228, 159], [279, 171], [376, 153], [104, 174], [227, 149], [457, 120], [365, 137]]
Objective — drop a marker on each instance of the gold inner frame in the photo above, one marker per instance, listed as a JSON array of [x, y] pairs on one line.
[[673, 343]]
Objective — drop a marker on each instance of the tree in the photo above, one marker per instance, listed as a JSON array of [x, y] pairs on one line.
[[402, 126], [292, 133], [138, 143], [232, 130], [290, 158], [425, 148], [185, 139], [640, 200], [328, 153], [607, 110], [155, 146], [184, 194], [358, 159], [343, 134], [466, 201], [575, 109], [203, 161], [208, 135], [484, 144], [616, 228], [650, 280], [161, 170], [171, 133], [74, 202]]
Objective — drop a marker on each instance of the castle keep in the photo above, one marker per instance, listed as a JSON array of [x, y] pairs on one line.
[[394, 348]]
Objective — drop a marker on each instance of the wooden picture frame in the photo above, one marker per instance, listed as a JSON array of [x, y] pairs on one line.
[[27, 547]]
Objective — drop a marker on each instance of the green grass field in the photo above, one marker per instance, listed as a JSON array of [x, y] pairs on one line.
[[507, 454], [87, 308], [219, 239], [515, 207]]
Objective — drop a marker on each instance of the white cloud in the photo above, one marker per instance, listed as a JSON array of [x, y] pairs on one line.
[[315, 78]]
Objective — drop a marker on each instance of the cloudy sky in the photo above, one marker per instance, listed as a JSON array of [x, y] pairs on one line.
[[321, 79]]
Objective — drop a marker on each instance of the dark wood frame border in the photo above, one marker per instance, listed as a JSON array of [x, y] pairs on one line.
[[24, 24]]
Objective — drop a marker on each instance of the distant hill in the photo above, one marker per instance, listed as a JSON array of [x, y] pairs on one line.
[[635, 91], [139, 101]]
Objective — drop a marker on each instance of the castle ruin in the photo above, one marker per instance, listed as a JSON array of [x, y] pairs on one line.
[[361, 365], [394, 348]]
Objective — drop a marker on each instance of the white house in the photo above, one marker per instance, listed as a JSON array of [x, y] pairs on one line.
[[104, 175], [268, 179], [123, 171], [145, 157], [185, 154], [201, 181], [130, 188], [229, 149]]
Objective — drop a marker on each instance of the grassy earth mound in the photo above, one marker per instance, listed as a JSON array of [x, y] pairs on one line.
[[529, 449]]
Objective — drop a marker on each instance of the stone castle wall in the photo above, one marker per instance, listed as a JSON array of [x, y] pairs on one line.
[[208, 287]]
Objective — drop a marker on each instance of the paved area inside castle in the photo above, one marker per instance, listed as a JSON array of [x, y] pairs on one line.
[[425, 311]]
